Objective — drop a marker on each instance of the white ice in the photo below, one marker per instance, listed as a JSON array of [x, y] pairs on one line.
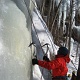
[[15, 55]]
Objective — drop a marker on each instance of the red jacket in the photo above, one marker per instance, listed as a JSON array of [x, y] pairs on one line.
[[58, 66]]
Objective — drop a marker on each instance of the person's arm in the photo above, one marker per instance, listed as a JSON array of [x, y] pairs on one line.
[[49, 65]]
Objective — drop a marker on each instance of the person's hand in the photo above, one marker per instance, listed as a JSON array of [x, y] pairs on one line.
[[34, 61], [45, 58]]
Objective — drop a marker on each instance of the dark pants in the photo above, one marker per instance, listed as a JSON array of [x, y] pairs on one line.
[[60, 78]]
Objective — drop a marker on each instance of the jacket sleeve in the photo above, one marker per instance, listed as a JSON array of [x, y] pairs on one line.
[[49, 65]]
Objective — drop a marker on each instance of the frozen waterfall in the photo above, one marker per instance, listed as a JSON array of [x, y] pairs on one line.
[[15, 37]]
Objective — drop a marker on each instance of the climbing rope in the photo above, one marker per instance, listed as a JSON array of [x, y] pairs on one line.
[[74, 65]]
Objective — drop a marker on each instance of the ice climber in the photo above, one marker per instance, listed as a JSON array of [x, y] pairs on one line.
[[58, 66]]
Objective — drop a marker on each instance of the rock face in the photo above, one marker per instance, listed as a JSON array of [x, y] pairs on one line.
[[76, 33], [15, 55], [77, 18]]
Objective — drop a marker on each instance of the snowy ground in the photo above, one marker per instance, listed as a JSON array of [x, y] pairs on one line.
[[41, 35]]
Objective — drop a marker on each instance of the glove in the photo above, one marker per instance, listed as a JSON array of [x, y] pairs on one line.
[[45, 58], [34, 61]]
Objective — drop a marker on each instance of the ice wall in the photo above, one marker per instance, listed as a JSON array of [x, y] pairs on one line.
[[15, 55]]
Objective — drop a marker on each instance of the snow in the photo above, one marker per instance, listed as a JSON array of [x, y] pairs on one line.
[[40, 36]]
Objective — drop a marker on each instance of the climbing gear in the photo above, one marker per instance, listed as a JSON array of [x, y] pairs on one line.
[[34, 53], [47, 47], [45, 53]]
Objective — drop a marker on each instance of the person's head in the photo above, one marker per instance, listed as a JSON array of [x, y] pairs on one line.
[[63, 51]]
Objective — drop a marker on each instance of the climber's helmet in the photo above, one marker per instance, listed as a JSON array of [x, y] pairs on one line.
[[63, 51]]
